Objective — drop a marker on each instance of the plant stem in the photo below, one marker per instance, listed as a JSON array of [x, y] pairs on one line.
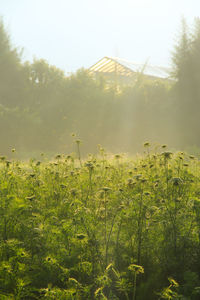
[[134, 289]]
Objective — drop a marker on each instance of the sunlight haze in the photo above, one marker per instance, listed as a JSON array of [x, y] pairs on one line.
[[75, 34]]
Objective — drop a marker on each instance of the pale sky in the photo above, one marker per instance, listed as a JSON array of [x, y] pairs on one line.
[[72, 34]]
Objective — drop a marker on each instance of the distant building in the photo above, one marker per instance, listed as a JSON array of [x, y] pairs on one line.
[[121, 71]]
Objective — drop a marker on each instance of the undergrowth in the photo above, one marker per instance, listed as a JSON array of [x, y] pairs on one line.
[[102, 228]]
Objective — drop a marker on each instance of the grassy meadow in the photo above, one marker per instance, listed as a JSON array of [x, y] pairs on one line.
[[107, 226], [101, 228]]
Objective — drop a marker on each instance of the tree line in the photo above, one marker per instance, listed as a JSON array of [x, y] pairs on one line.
[[40, 107]]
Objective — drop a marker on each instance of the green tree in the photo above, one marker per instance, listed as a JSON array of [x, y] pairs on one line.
[[186, 71], [11, 71]]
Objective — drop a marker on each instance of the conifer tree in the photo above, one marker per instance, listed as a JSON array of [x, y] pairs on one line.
[[11, 71], [186, 71]]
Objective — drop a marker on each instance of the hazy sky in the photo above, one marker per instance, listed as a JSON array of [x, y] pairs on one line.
[[76, 33]]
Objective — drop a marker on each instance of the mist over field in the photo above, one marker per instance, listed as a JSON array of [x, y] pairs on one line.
[[41, 107]]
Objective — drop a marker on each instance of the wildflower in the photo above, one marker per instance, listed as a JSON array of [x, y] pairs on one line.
[[144, 166], [89, 165], [63, 186], [191, 157], [130, 182], [173, 282], [80, 236], [176, 181], [143, 180], [69, 157], [136, 268], [78, 142], [167, 154], [8, 163], [74, 192], [138, 176], [147, 144], [147, 193], [106, 189]]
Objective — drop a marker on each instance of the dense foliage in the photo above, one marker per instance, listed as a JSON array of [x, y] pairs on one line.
[[186, 70], [40, 107], [104, 228]]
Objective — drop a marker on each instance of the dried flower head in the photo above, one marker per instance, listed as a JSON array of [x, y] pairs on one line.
[[176, 181], [106, 189], [167, 154], [164, 146], [146, 144]]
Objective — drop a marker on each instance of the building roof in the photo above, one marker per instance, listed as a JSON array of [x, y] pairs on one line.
[[127, 68]]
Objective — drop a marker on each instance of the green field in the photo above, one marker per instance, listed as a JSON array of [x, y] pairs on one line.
[[103, 228]]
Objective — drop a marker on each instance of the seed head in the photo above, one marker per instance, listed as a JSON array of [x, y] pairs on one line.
[[89, 165], [176, 181], [143, 180], [167, 154], [80, 236], [8, 163], [78, 142], [138, 176], [146, 144], [106, 189], [147, 193], [74, 192], [191, 157]]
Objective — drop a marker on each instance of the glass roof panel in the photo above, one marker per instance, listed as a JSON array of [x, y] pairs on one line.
[[113, 64]]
